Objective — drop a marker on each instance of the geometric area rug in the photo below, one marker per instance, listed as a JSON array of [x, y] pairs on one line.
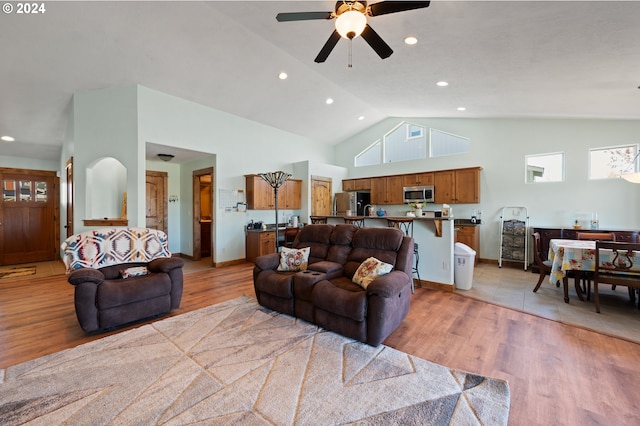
[[239, 363]]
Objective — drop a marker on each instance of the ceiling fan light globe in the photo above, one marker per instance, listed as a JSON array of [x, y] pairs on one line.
[[350, 24]]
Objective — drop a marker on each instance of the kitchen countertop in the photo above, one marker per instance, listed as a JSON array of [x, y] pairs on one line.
[[395, 217]]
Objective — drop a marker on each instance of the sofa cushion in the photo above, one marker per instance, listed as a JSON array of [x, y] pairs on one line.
[[276, 283], [118, 292], [317, 238], [369, 270], [326, 267], [340, 301], [381, 243], [294, 260], [341, 239]]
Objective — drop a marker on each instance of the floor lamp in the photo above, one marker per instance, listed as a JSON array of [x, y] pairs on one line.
[[275, 180]]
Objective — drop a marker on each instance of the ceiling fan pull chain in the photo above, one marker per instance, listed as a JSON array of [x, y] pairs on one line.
[[350, 53]]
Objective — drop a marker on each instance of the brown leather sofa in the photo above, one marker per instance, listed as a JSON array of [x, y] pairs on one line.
[[325, 295]]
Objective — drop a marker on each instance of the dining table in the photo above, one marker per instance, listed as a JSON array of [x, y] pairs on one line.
[[573, 256], [570, 255]]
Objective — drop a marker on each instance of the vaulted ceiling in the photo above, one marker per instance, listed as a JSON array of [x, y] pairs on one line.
[[502, 59]]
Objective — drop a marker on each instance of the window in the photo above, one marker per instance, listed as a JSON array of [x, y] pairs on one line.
[[372, 155], [611, 162], [408, 141], [544, 167], [443, 143], [405, 142]]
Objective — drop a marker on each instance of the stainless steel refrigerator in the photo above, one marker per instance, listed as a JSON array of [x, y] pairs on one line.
[[355, 201]]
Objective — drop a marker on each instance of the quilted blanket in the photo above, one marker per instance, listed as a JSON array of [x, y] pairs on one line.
[[113, 246]]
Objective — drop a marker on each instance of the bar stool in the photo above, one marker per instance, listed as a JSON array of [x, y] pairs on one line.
[[406, 226], [355, 220], [318, 219]]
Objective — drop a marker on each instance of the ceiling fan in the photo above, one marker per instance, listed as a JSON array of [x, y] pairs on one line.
[[351, 21]]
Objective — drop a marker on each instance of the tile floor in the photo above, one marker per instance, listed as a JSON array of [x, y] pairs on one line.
[[509, 287], [513, 288]]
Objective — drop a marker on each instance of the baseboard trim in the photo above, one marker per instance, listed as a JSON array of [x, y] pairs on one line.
[[229, 263], [434, 285]]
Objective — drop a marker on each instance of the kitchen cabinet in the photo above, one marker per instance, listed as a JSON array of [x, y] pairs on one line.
[[387, 190], [459, 186], [356, 184], [290, 195], [260, 195], [258, 243], [470, 236], [418, 179]]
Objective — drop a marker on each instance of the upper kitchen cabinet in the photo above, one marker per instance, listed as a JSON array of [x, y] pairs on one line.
[[356, 184], [387, 190], [260, 195], [290, 195], [460, 186], [418, 179]]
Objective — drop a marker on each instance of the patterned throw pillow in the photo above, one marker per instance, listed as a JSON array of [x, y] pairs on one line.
[[294, 259], [134, 271], [369, 270]]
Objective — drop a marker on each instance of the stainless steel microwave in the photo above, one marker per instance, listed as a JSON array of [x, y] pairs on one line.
[[419, 194]]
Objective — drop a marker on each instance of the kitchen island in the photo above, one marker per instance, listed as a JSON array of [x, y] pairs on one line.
[[435, 238]]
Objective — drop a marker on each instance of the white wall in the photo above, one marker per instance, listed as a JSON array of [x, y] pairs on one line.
[[500, 146], [104, 125], [240, 147]]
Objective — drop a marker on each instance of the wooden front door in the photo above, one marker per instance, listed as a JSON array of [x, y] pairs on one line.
[[321, 196], [156, 200], [29, 214]]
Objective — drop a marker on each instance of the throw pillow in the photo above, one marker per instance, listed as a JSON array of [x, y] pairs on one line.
[[369, 270], [294, 259], [134, 271]]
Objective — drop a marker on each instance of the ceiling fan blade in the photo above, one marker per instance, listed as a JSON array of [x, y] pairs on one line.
[[328, 47], [376, 42], [303, 16], [384, 7]]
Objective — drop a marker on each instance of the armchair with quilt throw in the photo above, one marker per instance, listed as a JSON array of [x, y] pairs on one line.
[[322, 289], [121, 275]]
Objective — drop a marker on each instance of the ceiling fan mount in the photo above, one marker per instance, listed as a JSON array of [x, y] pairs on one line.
[[351, 22]]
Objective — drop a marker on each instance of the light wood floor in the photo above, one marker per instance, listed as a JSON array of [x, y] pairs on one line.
[[558, 374]]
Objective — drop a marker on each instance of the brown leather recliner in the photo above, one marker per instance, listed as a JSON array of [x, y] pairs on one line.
[[104, 300], [324, 294], [110, 289]]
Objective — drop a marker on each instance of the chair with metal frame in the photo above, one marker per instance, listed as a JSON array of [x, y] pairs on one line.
[[406, 226], [618, 271], [355, 220]]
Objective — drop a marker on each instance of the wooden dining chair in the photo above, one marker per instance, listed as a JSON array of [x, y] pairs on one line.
[[290, 236], [618, 270], [588, 275], [596, 236], [544, 266]]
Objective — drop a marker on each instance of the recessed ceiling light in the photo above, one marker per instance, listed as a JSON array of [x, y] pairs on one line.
[[7, 138], [361, 118], [442, 83], [410, 40], [282, 76], [462, 109], [329, 101]]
